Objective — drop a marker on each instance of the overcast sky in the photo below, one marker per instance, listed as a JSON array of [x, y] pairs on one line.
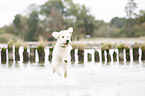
[[101, 9]]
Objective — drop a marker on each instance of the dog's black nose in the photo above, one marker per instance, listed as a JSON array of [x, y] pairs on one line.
[[67, 41]]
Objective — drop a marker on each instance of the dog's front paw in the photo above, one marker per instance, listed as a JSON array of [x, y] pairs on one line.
[[65, 74], [65, 61]]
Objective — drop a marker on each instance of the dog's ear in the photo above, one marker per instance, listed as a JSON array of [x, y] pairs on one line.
[[70, 30], [55, 35]]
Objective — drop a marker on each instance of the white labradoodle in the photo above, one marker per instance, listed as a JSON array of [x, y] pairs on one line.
[[61, 51]]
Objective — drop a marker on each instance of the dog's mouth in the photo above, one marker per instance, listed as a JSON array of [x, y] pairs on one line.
[[66, 43]]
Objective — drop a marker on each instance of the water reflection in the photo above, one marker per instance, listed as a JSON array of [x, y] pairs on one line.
[[111, 79], [80, 64]]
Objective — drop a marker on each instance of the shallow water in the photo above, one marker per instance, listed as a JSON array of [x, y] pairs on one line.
[[87, 80]]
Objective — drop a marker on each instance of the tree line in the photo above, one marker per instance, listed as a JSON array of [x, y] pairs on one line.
[[56, 15]]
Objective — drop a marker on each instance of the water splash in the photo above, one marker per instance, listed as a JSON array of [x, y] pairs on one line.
[[46, 50], [140, 55], [111, 51], [36, 56], [14, 54], [21, 50], [131, 56], [124, 55], [117, 52]]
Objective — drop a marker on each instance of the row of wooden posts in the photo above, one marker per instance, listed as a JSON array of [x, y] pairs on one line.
[[80, 53]]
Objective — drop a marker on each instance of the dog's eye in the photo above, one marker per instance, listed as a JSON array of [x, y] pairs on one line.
[[62, 36]]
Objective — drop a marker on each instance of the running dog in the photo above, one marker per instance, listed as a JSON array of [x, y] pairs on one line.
[[61, 51]]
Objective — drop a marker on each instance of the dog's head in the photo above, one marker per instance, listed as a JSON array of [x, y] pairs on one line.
[[63, 37]]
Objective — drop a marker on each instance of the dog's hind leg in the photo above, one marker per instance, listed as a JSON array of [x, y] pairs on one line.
[[55, 66], [64, 65], [53, 70], [65, 74], [56, 69]]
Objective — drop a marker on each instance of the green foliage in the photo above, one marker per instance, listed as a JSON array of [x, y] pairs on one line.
[[18, 25], [79, 46], [104, 30], [127, 46], [4, 38], [52, 4], [42, 43], [140, 17], [8, 29], [56, 15], [106, 46], [25, 45], [10, 43], [137, 45], [120, 46], [143, 46], [130, 8], [137, 31], [117, 22], [1, 31], [32, 23], [18, 43]]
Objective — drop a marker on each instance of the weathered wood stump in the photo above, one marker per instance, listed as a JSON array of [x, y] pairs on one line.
[[17, 56], [127, 54], [10, 53], [41, 54], [135, 54], [32, 54], [25, 56], [114, 56], [72, 53], [97, 58], [108, 56], [3, 55], [50, 54], [81, 56], [121, 54]]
